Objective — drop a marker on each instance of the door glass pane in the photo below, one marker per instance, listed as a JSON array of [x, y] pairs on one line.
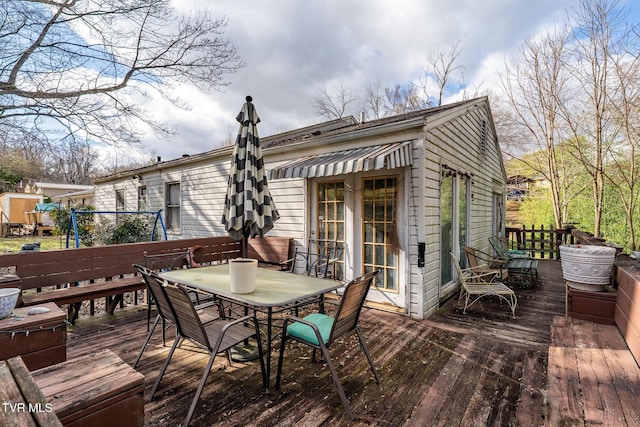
[[380, 231], [330, 222], [446, 227], [463, 219]]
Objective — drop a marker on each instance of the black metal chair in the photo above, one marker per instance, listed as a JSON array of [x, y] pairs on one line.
[[320, 330], [216, 336], [318, 259]]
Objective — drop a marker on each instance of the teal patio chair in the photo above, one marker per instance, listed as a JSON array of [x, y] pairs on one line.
[[320, 331]]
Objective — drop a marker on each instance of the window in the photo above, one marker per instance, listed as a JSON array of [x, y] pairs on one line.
[[142, 198], [120, 200], [330, 221], [172, 207], [380, 231]]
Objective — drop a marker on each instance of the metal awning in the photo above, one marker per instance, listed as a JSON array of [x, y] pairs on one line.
[[377, 157]]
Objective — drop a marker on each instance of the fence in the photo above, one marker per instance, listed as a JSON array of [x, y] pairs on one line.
[[543, 243]]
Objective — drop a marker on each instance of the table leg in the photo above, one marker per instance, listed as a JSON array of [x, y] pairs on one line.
[[269, 336]]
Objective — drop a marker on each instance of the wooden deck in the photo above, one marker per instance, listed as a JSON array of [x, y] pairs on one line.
[[592, 379], [480, 369]]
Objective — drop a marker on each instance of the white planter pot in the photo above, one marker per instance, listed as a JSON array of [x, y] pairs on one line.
[[587, 267], [8, 300], [242, 272]]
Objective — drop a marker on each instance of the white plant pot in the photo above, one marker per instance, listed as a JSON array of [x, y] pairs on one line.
[[243, 275], [8, 300], [587, 267]]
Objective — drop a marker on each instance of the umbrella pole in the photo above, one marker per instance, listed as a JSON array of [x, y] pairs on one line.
[[248, 350], [244, 247]]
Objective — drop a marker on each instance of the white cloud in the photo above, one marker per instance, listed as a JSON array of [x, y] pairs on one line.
[[293, 48]]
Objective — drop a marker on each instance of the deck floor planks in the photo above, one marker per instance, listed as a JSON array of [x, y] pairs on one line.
[[533, 384], [502, 375], [593, 378], [563, 384], [598, 393], [625, 373], [433, 400]]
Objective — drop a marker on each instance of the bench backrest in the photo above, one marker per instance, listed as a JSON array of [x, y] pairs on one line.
[[52, 268], [271, 250]]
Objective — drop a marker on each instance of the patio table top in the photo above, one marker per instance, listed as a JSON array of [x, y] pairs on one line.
[[273, 288]]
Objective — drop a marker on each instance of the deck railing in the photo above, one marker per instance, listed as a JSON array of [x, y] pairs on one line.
[[545, 243], [542, 242]]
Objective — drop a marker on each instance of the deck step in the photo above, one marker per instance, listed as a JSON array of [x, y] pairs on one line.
[[592, 377]]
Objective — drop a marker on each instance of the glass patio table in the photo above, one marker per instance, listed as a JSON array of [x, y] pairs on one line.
[[275, 291]]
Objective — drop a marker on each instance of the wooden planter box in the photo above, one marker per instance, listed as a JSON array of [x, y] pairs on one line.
[[627, 313], [45, 343], [597, 307], [97, 390]]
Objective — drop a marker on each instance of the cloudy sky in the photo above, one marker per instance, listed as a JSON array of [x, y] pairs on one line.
[[294, 48]]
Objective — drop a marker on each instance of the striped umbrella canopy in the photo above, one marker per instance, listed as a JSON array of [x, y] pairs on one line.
[[249, 210]]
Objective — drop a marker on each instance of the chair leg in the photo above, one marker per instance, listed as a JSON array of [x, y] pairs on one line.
[[164, 367], [366, 353], [283, 340], [164, 332], [203, 380], [148, 309], [336, 380], [146, 342]]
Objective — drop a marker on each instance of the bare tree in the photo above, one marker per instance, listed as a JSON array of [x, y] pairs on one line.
[[622, 171], [373, 104], [85, 69], [535, 88], [597, 36], [403, 99], [439, 72], [73, 162], [332, 103]]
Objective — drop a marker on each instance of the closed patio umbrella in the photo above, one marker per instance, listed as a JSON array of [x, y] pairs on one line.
[[249, 210]]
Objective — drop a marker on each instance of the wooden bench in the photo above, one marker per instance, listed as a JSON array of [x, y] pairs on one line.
[[271, 251], [95, 390], [71, 276], [23, 403]]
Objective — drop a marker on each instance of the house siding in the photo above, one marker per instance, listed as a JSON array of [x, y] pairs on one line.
[[456, 144], [449, 137]]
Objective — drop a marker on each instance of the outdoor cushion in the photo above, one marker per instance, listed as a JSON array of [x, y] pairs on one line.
[[305, 332]]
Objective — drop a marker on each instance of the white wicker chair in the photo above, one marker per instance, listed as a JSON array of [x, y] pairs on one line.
[[473, 288]]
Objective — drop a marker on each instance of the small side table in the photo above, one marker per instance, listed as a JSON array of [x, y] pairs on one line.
[[523, 272], [40, 339]]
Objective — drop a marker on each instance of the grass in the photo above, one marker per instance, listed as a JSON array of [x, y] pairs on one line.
[[47, 243]]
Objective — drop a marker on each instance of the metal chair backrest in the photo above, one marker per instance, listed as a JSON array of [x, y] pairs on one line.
[[318, 258], [456, 264], [187, 320], [155, 286], [348, 312], [499, 247], [168, 261], [472, 258]]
